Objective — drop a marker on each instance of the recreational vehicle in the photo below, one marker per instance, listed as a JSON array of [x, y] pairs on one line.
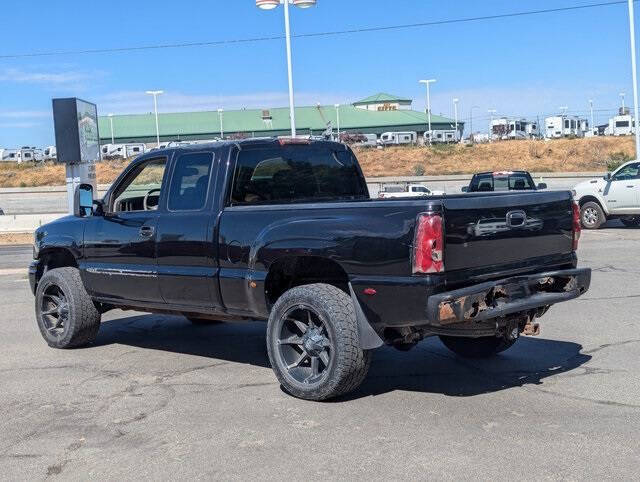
[[28, 154], [50, 153], [441, 136], [620, 125], [390, 138], [123, 151], [504, 129], [565, 126], [9, 155]]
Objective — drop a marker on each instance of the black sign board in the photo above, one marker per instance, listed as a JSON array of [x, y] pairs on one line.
[[76, 127]]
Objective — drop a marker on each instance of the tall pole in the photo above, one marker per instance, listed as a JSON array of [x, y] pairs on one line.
[[632, 33], [622, 97], [455, 115], [591, 108], [491, 112], [221, 128], [111, 122], [471, 121], [292, 113], [155, 94], [338, 119], [427, 82]]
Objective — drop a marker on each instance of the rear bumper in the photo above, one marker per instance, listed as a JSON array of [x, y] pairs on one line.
[[494, 299]]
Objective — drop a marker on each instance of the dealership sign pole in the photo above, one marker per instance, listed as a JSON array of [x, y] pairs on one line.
[[77, 142]]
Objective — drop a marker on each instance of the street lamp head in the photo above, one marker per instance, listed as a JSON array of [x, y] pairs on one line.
[[456, 100], [428, 81], [220, 110], [271, 4], [154, 92], [109, 114], [336, 105]]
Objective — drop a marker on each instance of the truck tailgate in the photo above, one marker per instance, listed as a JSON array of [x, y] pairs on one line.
[[492, 229]]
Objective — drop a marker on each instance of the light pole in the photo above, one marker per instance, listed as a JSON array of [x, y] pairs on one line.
[[270, 5], [427, 82], [155, 94], [621, 94], [111, 122], [471, 121], [337, 106], [491, 112], [632, 35], [591, 108], [455, 115], [221, 128]]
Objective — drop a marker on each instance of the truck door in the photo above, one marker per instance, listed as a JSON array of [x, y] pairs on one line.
[[186, 245], [119, 256], [622, 192]]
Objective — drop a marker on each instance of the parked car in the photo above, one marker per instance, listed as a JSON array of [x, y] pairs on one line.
[[615, 196], [401, 191], [283, 230], [503, 181]]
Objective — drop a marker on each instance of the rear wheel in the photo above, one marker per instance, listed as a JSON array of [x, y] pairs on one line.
[[65, 312], [313, 343], [591, 215], [482, 347], [631, 221]]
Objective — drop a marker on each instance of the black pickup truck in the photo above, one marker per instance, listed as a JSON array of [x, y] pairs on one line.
[[284, 230]]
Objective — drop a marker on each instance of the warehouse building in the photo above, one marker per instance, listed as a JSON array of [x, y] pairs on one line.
[[374, 115]]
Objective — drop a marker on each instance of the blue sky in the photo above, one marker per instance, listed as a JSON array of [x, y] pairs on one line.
[[524, 66]]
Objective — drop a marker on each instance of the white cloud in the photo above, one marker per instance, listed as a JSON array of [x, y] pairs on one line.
[[24, 114], [133, 102], [19, 125], [53, 80]]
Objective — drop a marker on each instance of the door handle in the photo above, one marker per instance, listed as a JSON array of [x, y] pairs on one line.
[[631, 186], [146, 231]]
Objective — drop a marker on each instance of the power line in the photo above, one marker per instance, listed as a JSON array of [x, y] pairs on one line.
[[215, 43]]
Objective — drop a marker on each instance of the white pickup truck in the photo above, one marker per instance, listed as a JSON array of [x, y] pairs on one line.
[[615, 196], [412, 190]]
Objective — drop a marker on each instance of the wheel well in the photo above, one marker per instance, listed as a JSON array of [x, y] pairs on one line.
[[289, 272], [55, 258], [586, 199]]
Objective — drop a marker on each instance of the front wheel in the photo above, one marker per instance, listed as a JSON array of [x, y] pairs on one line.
[[483, 347], [631, 221], [313, 343], [591, 215], [65, 312]]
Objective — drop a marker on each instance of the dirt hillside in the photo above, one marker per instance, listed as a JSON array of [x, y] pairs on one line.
[[562, 155]]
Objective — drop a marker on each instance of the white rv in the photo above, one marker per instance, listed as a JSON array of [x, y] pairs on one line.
[[441, 136], [50, 153], [28, 154], [9, 155], [390, 138], [122, 151], [620, 125], [565, 126], [503, 129]]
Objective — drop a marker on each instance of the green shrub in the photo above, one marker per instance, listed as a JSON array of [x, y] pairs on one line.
[[418, 170], [616, 159]]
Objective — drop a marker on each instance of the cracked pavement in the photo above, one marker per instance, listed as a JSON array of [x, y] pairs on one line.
[[156, 398]]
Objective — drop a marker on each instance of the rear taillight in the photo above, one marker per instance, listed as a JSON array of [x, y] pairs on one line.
[[577, 228], [428, 244]]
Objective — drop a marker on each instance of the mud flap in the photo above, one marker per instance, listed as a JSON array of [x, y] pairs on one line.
[[369, 339]]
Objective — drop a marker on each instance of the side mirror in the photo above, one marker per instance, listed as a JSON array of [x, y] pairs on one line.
[[542, 185], [465, 188], [607, 177], [83, 202]]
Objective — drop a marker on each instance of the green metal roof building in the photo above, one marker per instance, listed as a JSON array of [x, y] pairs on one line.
[[314, 120]]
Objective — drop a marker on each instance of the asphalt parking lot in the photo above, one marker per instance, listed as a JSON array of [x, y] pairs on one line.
[[158, 398]]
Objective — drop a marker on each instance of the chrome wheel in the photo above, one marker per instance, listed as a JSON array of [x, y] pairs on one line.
[[54, 310], [590, 216], [304, 345]]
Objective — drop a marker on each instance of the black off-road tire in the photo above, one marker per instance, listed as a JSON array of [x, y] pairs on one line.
[[483, 347], [83, 320], [630, 221], [202, 321], [349, 363], [591, 215]]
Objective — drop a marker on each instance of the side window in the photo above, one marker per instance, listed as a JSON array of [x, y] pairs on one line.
[[627, 172], [190, 182], [140, 191]]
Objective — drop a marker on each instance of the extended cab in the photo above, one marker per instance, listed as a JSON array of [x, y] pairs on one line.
[[284, 230], [615, 196]]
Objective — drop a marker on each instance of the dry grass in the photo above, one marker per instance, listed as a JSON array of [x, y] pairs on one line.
[[561, 155], [16, 238]]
